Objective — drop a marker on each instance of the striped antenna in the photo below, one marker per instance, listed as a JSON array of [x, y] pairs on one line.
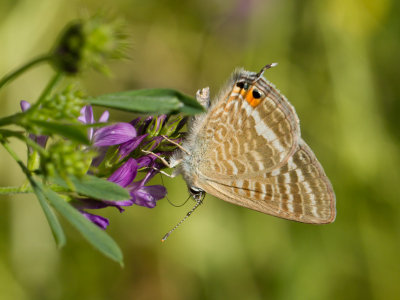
[[198, 202], [266, 67]]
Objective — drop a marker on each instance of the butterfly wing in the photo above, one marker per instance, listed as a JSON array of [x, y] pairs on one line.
[[250, 130], [298, 191], [252, 155]]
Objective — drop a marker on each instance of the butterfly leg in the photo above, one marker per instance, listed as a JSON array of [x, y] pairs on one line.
[[176, 144], [171, 164], [172, 175]]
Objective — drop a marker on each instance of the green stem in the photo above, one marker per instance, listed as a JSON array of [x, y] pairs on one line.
[[32, 144], [15, 156], [14, 190], [23, 68], [26, 189], [13, 119], [24, 138], [52, 83], [9, 190]]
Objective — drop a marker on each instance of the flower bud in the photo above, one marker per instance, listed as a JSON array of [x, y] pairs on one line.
[[64, 159], [89, 44]]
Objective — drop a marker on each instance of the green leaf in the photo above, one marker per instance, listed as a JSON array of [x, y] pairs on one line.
[[160, 101], [97, 237], [95, 187], [74, 132], [55, 225]]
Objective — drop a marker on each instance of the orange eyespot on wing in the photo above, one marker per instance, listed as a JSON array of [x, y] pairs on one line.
[[253, 97]]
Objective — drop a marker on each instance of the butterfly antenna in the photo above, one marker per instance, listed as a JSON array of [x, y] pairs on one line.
[[266, 67], [178, 205], [166, 196], [198, 202]]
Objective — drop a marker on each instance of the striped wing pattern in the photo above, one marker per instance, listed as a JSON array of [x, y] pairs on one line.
[[242, 139], [298, 191], [256, 158]]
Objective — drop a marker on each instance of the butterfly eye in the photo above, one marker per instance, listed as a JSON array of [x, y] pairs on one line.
[[256, 94], [195, 190], [240, 84], [196, 193]]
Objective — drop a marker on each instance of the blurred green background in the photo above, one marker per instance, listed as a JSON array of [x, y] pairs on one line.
[[338, 65]]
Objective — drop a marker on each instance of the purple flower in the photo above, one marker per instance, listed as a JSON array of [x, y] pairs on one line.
[[157, 124], [83, 203], [122, 176], [120, 144], [108, 135], [86, 203], [126, 148], [146, 195], [146, 161], [87, 117], [41, 140], [25, 105], [141, 125], [125, 174], [115, 134], [140, 194], [97, 220]]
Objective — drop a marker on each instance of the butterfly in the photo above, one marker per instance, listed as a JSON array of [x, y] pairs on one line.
[[247, 149]]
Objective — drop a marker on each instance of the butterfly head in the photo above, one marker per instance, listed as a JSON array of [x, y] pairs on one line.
[[197, 193]]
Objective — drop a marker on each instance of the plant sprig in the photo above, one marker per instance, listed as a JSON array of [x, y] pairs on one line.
[[75, 163]]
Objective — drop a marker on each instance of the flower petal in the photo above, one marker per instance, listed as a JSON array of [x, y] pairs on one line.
[[148, 195], [157, 124], [125, 174], [104, 117], [97, 220], [149, 175], [143, 125], [131, 145], [118, 204], [155, 142], [135, 122], [41, 140], [86, 203], [102, 152], [114, 134], [146, 161], [86, 116], [157, 192], [25, 105]]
